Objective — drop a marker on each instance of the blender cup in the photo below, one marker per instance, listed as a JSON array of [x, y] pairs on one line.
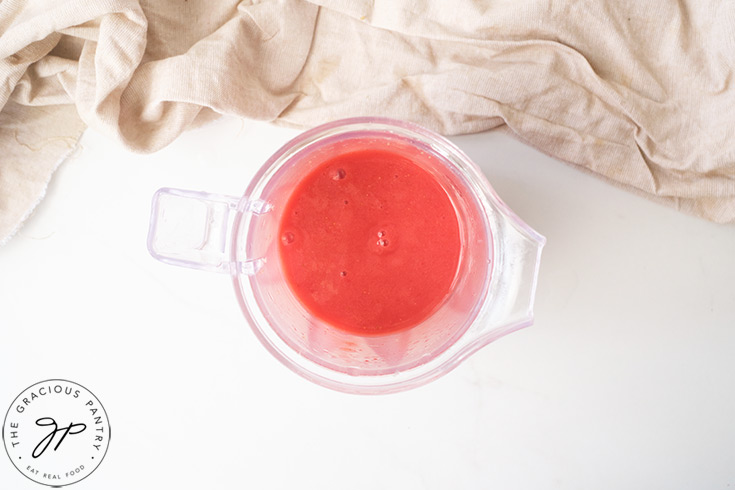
[[491, 296]]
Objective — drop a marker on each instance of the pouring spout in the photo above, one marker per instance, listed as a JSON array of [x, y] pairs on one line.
[[515, 276]]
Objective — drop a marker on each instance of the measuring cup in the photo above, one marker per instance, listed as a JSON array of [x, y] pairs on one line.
[[491, 296]]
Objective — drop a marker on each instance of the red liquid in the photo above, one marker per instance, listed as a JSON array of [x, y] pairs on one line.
[[369, 241]]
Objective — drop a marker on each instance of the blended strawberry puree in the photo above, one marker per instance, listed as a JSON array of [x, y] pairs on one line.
[[369, 241]]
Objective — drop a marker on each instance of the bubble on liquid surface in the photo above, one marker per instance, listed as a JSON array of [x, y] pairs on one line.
[[288, 238], [383, 242], [338, 174], [343, 273], [381, 234]]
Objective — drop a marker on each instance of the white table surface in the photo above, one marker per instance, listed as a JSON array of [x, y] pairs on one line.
[[626, 380]]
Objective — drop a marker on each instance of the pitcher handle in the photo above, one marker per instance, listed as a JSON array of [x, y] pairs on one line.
[[193, 229]]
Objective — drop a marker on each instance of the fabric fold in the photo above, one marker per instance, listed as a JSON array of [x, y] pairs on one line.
[[642, 95]]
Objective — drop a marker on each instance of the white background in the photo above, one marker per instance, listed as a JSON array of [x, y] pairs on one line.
[[626, 381]]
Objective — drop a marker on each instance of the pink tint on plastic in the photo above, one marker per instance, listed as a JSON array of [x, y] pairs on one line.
[[491, 296]]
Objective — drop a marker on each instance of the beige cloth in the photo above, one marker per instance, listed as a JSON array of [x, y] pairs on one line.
[[642, 93]]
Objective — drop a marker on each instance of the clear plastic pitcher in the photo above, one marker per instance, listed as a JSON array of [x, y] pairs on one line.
[[491, 296]]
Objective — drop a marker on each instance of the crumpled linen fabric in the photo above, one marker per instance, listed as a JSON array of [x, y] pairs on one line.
[[640, 93]]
